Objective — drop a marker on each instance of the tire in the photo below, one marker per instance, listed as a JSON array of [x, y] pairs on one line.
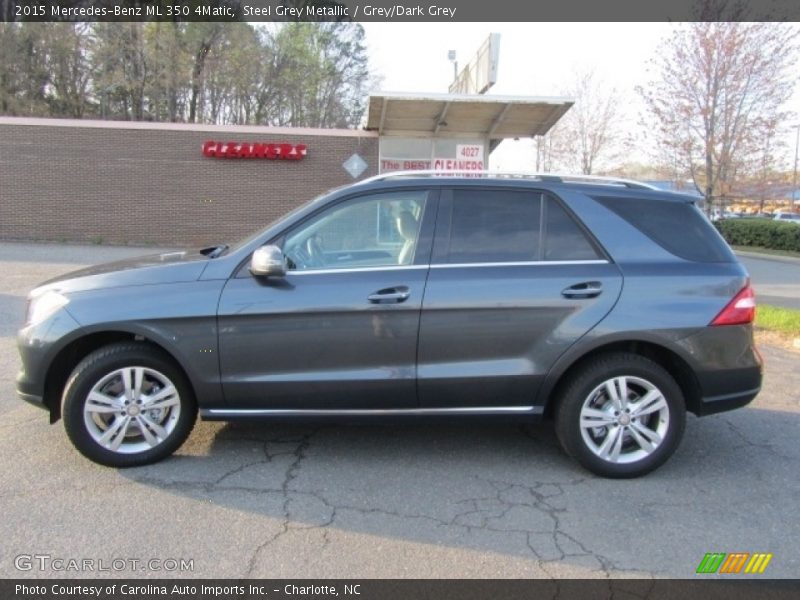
[[616, 434], [127, 405]]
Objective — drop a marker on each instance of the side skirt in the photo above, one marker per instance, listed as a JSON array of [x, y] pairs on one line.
[[226, 414]]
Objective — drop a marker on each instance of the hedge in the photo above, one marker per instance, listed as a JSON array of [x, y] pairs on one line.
[[763, 233]]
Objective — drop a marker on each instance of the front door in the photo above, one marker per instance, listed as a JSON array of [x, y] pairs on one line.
[[340, 330]]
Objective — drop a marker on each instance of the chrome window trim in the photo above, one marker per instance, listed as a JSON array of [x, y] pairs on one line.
[[356, 269], [321, 412], [526, 263], [521, 263]]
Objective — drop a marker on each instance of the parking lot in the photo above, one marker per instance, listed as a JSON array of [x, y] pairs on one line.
[[777, 279], [424, 500]]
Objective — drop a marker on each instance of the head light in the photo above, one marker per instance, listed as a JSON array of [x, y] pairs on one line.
[[43, 304]]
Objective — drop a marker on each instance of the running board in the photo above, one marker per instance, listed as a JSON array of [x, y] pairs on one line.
[[226, 413]]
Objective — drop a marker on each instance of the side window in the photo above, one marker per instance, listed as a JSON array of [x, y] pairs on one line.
[[494, 226], [564, 239], [369, 231], [676, 226]]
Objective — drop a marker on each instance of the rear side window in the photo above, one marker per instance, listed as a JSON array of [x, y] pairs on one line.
[[564, 239], [490, 226], [494, 226], [678, 227]]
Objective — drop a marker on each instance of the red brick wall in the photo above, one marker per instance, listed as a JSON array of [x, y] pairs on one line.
[[150, 184]]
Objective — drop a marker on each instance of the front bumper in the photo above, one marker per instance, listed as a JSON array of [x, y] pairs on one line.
[[38, 345], [35, 399]]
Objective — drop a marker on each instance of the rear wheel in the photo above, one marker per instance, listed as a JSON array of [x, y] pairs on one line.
[[621, 415], [127, 405]]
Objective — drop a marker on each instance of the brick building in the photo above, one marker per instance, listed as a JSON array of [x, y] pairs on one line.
[[149, 183], [116, 182]]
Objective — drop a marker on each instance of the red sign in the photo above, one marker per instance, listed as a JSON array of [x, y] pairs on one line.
[[254, 150], [448, 164]]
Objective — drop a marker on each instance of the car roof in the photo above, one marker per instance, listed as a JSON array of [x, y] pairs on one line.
[[593, 185]]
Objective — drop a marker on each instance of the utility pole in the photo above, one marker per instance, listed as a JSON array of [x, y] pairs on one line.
[[451, 56], [794, 176]]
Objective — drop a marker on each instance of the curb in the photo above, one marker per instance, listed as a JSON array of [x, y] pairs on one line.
[[785, 259]]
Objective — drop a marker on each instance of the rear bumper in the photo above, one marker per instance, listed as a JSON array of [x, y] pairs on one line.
[[727, 366], [715, 404]]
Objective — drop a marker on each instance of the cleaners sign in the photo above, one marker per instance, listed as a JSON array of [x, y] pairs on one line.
[[468, 157], [215, 149]]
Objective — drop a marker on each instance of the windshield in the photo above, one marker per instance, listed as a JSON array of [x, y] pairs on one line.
[[255, 235]]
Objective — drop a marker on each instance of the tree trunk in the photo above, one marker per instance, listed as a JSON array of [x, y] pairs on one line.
[[197, 78]]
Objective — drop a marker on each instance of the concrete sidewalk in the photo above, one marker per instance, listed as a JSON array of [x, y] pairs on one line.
[[795, 260], [78, 254]]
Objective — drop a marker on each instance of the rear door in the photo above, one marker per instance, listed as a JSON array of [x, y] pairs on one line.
[[515, 280]]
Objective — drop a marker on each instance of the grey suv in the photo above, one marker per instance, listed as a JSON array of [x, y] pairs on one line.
[[607, 305]]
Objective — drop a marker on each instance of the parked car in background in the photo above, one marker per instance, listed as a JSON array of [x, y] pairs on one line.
[[787, 217], [607, 305], [717, 215]]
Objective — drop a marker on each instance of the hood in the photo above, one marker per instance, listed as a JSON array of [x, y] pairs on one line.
[[170, 267]]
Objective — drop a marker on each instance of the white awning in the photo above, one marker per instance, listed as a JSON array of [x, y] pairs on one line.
[[494, 117]]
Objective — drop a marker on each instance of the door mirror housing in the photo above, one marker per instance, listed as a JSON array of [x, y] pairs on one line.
[[268, 261]]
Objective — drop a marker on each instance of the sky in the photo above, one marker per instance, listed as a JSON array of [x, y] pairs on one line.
[[536, 59]]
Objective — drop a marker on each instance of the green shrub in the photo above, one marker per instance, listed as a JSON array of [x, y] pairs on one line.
[[764, 233]]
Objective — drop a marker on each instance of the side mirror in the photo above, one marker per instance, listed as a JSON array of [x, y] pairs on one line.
[[268, 261]]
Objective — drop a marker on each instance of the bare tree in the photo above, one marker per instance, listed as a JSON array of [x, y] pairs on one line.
[[203, 37], [589, 130], [716, 87], [766, 180], [544, 155], [301, 74], [332, 58], [166, 94]]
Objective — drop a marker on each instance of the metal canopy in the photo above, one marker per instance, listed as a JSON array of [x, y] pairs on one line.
[[494, 117]]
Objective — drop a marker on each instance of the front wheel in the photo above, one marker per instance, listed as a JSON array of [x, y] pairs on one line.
[[128, 405], [621, 415]]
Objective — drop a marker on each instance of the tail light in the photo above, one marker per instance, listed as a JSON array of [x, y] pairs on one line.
[[739, 311]]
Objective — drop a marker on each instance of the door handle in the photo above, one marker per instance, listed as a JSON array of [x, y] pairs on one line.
[[587, 289], [390, 295]]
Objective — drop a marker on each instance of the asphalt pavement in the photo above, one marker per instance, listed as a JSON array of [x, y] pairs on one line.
[[776, 280], [414, 500]]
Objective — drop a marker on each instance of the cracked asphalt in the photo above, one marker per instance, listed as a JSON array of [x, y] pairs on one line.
[[416, 500]]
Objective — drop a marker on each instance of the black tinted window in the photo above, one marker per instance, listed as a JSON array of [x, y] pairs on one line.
[[494, 226], [678, 227], [564, 239]]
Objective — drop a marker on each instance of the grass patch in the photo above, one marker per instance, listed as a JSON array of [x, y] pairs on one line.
[[761, 250], [781, 320]]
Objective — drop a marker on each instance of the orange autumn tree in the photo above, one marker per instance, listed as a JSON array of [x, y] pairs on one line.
[[716, 91]]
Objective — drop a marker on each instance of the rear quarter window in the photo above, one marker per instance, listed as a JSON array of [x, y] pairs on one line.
[[678, 227]]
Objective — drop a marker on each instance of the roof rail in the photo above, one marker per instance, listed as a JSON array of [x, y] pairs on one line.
[[552, 177]]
